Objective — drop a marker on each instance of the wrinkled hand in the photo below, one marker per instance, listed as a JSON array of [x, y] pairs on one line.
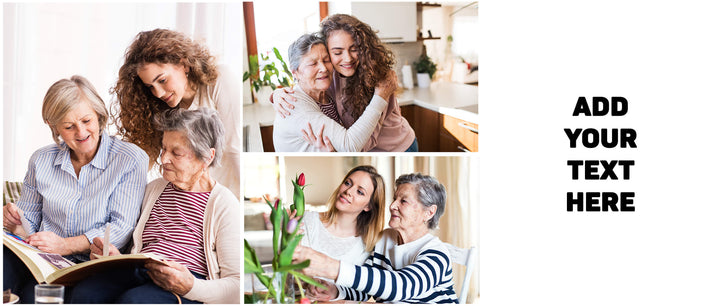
[[50, 242], [172, 277], [281, 98], [320, 264], [11, 219], [321, 142], [96, 248], [320, 294], [386, 87]]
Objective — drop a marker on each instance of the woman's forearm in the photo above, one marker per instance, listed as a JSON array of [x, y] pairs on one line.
[[77, 245], [355, 137]]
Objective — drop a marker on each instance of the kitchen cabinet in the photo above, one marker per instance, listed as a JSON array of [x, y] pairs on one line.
[[438, 132], [266, 133], [394, 21]]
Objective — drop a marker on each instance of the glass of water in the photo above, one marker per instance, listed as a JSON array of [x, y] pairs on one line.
[[49, 294]]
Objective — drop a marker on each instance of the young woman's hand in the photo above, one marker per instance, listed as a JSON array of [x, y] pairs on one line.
[[172, 277], [385, 88], [96, 248], [321, 142], [281, 98]]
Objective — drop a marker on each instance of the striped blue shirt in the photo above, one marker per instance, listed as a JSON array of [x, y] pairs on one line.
[[416, 272], [109, 189]]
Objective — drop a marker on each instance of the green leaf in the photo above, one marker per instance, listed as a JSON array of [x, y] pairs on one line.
[[299, 199], [276, 219], [299, 266], [307, 279], [287, 253], [252, 264]]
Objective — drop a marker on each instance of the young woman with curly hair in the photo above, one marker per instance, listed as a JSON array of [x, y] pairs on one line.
[[165, 69], [361, 61]]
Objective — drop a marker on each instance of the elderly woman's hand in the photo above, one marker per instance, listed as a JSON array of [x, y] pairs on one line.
[[96, 248], [50, 242], [320, 294], [11, 219], [321, 142], [320, 264], [172, 277], [281, 98]]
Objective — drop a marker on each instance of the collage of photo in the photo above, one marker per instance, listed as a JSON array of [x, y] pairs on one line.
[[344, 135]]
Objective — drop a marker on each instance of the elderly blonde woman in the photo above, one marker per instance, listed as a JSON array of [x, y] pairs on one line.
[[187, 217], [76, 187], [315, 110], [408, 265]]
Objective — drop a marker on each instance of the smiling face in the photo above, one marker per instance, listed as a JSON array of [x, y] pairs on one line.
[[80, 130], [168, 82], [314, 70], [408, 215], [180, 166], [355, 193], [343, 52]]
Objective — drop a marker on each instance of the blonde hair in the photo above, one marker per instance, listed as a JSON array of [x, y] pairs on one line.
[[369, 223], [66, 94]]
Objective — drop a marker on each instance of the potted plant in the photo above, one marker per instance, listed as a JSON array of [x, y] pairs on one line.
[[280, 281], [425, 69], [272, 74]]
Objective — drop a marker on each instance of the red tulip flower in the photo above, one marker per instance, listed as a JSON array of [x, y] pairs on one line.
[[301, 179]]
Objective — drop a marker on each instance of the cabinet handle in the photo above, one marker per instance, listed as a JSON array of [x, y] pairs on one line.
[[388, 38], [461, 148], [467, 127]]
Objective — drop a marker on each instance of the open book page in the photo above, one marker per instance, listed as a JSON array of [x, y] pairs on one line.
[[55, 269], [39, 265], [78, 272]]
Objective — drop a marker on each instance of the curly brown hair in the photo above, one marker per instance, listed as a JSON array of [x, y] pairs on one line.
[[134, 105], [375, 60]]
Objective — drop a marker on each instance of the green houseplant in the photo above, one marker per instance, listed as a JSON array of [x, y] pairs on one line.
[[425, 69], [285, 240], [273, 73]]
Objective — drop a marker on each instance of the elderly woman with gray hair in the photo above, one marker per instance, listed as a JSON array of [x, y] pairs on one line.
[[408, 265], [312, 71], [187, 217]]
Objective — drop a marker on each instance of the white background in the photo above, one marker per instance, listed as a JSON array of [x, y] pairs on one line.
[[536, 59]]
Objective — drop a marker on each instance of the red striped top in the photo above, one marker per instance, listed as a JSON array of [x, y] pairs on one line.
[[175, 228], [330, 110]]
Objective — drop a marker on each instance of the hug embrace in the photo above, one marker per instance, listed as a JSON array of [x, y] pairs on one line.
[[344, 98], [175, 111]]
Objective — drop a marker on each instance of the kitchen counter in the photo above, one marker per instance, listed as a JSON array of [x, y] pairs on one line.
[[452, 99]]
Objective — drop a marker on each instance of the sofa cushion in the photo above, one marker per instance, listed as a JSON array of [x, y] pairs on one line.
[[11, 192]]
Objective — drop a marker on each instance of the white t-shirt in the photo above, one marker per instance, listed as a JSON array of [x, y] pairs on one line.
[[317, 237]]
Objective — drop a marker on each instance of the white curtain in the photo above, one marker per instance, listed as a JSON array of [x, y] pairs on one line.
[[45, 42]]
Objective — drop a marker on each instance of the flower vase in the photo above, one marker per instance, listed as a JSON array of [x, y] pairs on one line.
[[423, 80], [285, 294]]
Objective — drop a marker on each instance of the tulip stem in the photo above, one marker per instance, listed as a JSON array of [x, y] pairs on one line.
[[297, 280]]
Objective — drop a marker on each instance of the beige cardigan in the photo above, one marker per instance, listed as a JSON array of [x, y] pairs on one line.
[[221, 235]]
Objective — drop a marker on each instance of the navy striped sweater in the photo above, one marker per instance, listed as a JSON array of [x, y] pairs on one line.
[[415, 272]]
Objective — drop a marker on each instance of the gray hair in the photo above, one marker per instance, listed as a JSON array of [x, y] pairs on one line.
[[429, 192], [202, 127], [302, 46], [64, 95]]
